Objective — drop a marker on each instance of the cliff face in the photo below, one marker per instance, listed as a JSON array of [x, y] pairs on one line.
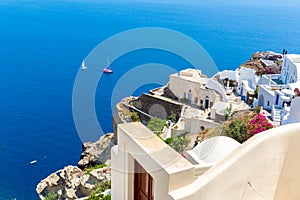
[[121, 114], [74, 182], [96, 152]]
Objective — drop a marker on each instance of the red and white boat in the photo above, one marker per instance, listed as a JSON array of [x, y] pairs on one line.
[[107, 69]]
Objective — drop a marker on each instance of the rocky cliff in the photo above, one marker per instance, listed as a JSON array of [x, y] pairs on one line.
[[75, 182], [72, 182], [98, 152]]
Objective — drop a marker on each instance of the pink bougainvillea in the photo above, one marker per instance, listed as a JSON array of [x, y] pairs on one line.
[[257, 124], [242, 129]]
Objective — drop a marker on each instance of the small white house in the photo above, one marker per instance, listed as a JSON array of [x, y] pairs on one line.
[[247, 81], [290, 72], [186, 84], [191, 86], [266, 96]]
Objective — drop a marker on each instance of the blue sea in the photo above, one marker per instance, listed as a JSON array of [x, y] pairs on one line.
[[42, 44]]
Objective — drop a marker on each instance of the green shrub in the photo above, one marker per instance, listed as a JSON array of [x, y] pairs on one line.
[[169, 140], [52, 196], [178, 143], [243, 129], [156, 124], [134, 117], [237, 130], [107, 197], [96, 194], [98, 166]]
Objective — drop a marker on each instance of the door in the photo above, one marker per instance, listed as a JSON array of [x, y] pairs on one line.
[[206, 105], [190, 97], [277, 99], [143, 183]]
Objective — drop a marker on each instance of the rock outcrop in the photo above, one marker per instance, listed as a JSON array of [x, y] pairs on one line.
[[94, 153], [122, 114], [264, 63], [72, 183]]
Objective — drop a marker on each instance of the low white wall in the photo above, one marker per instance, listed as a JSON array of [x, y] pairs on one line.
[[193, 126], [265, 167]]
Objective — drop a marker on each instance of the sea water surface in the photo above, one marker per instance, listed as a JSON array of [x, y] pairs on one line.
[[42, 44]]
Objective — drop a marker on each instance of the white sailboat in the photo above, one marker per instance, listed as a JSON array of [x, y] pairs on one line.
[[83, 67]]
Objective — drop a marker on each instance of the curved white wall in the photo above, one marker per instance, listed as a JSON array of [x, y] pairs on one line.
[[294, 115], [214, 85], [265, 167]]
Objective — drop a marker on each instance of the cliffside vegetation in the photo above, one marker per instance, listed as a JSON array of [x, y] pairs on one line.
[[178, 143], [98, 166], [156, 125], [97, 193], [51, 196]]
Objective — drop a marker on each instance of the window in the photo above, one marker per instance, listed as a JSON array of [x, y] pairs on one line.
[[196, 100], [268, 103]]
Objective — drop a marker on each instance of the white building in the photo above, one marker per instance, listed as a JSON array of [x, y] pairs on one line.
[[266, 96], [290, 72], [185, 85], [247, 82], [246, 79], [189, 86], [276, 91]]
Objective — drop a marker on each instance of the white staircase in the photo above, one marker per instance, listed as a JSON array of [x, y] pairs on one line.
[[276, 114]]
